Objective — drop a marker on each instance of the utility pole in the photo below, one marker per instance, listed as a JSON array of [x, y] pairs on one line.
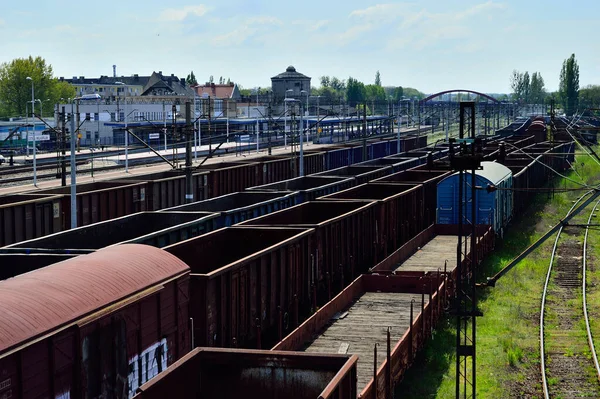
[[189, 191], [209, 131], [174, 124], [465, 307], [63, 164], [269, 126], [365, 131]]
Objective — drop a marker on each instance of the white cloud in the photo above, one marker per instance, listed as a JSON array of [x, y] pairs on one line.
[[179, 14]]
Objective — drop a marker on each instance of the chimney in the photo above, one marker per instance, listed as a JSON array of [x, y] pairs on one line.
[[182, 80], [114, 71]]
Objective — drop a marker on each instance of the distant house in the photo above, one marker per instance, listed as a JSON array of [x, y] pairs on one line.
[[223, 99], [289, 80], [113, 87], [226, 91]]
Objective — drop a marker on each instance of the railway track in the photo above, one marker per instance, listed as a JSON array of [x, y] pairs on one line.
[[568, 370]]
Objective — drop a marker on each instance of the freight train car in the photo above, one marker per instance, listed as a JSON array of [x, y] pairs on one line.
[[233, 374], [492, 208], [98, 325]]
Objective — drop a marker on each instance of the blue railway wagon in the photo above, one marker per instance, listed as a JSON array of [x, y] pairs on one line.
[[493, 208], [236, 207]]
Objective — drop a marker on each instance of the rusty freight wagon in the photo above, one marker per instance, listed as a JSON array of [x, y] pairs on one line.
[[100, 201], [429, 179], [273, 168], [343, 243], [399, 212], [360, 173], [168, 189], [237, 207], [384, 320], [27, 216], [98, 324], [157, 229], [236, 373], [248, 285], [308, 187], [434, 250], [230, 177]]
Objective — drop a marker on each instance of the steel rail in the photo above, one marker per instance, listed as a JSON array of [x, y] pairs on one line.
[[584, 285], [543, 304]]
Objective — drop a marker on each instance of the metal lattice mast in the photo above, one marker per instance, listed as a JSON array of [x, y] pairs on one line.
[[468, 159]]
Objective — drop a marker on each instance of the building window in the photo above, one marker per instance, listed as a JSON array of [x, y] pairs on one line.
[[112, 117], [121, 116], [96, 116]]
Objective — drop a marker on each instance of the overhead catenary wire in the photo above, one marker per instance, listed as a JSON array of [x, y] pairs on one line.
[[549, 167]]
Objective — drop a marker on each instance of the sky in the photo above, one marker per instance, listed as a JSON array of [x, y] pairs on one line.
[[429, 45]]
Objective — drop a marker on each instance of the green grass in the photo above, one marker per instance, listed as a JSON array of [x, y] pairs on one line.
[[507, 335]]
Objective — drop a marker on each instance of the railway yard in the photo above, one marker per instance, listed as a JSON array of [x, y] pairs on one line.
[[336, 282]]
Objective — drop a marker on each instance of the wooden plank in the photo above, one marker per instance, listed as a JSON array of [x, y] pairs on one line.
[[365, 323], [343, 348], [434, 254]]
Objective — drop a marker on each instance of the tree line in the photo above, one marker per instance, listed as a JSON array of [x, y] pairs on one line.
[[15, 88], [531, 89]]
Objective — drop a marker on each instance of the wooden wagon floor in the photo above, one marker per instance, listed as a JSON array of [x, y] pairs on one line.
[[365, 323], [434, 254]]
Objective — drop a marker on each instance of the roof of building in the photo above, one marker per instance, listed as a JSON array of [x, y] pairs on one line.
[[173, 84], [493, 172], [216, 90], [290, 73], [41, 301]]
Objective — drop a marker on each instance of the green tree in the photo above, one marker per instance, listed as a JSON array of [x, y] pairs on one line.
[[355, 91], [15, 89], [398, 93], [537, 90], [374, 93], [325, 80], [589, 96], [378, 79], [410, 92], [338, 85], [191, 79], [569, 85]]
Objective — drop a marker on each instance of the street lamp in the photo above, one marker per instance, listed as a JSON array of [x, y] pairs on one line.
[[301, 166], [306, 113], [127, 138], [285, 117], [33, 123]]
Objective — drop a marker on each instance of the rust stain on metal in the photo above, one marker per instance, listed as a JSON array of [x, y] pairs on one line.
[[38, 302]]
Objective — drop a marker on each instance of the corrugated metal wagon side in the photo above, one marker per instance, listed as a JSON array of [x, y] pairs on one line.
[[343, 243], [27, 216], [167, 189], [98, 324], [399, 211], [232, 374], [237, 207], [248, 285], [100, 201]]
